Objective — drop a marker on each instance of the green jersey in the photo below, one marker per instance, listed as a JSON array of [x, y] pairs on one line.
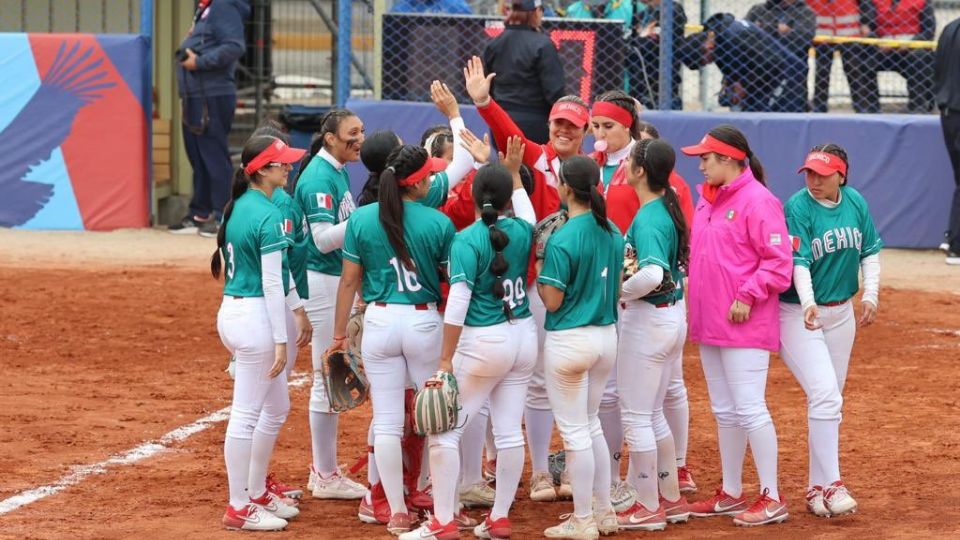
[[470, 256], [439, 186], [654, 236], [427, 234], [301, 238], [255, 228], [323, 193], [830, 242], [584, 261]]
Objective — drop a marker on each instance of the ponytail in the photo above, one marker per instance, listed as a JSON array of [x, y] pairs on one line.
[[598, 207], [499, 240], [756, 167], [241, 182], [374, 153], [657, 159], [329, 123], [402, 162], [729, 134], [672, 202], [582, 175]]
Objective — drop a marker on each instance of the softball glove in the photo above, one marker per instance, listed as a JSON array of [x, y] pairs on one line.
[[344, 380], [546, 227], [437, 405], [355, 330]]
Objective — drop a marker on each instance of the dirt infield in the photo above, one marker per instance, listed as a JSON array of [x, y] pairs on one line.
[[108, 341]]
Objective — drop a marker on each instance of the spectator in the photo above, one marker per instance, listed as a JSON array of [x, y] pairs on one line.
[[793, 24], [613, 10], [946, 88], [903, 20], [208, 93], [842, 18], [529, 75], [643, 59], [753, 63], [453, 7]]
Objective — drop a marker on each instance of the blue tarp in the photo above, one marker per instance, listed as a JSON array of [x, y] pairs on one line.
[[898, 162]]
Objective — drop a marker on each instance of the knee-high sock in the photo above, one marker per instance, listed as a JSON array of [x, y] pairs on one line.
[[445, 469], [390, 466], [643, 478], [424, 479], [372, 475], [509, 469], [261, 449], [323, 433], [824, 442], [733, 447], [601, 475], [581, 467], [678, 418], [667, 469], [471, 449], [539, 426], [763, 445], [236, 454], [490, 446], [613, 433]]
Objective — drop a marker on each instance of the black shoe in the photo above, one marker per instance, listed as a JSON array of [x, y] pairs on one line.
[[209, 228], [188, 225]]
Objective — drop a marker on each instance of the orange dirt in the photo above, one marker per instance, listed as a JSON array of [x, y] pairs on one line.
[[100, 359]]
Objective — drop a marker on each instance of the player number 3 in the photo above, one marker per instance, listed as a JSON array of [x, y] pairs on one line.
[[231, 261]]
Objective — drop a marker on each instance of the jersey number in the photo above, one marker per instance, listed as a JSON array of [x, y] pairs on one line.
[[603, 282], [231, 261], [514, 292], [406, 280]]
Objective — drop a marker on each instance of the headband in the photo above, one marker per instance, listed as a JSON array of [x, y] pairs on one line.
[[614, 111]]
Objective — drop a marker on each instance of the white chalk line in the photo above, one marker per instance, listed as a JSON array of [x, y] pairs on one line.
[[143, 451]]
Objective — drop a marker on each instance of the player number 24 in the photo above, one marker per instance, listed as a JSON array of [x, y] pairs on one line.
[[406, 280]]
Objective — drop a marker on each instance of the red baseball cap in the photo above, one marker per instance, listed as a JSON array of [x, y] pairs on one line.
[[571, 111], [278, 152], [824, 163], [711, 144]]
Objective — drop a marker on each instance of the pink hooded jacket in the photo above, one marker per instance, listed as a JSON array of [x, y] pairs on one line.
[[739, 250]]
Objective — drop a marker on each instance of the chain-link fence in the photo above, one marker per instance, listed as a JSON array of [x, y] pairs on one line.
[[773, 55], [66, 16]]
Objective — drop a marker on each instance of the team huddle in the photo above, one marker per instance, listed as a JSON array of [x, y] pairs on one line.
[[548, 288]]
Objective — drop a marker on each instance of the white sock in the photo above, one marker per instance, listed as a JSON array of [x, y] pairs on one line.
[[667, 469], [643, 478], [444, 470], [323, 433], [613, 434], [763, 445], [471, 449], [601, 475], [824, 441], [424, 479], [390, 466], [539, 427], [236, 454], [260, 451], [372, 475], [580, 466], [509, 469], [677, 413], [490, 446], [733, 448]]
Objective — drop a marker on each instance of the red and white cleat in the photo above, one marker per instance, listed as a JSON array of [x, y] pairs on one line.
[[677, 511], [251, 518], [721, 504], [275, 505], [279, 488], [433, 529], [685, 479], [815, 502], [838, 500], [374, 507], [499, 529], [638, 517], [764, 511]]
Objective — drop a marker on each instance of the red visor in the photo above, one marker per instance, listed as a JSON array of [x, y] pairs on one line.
[[571, 111], [710, 144], [433, 165], [824, 163], [278, 152], [614, 112]]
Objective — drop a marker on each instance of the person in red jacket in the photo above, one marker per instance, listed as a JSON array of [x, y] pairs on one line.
[[903, 20], [567, 125]]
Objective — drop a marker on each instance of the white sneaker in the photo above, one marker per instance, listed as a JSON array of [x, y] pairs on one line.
[[251, 518], [541, 487], [574, 528], [622, 496], [274, 504], [815, 502], [953, 259], [838, 500], [477, 495], [337, 486]]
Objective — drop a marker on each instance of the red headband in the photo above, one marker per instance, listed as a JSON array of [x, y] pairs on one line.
[[431, 166], [824, 163], [710, 144], [277, 152], [614, 111]]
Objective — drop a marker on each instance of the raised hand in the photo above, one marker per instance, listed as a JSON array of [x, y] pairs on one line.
[[444, 99], [480, 150], [478, 85]]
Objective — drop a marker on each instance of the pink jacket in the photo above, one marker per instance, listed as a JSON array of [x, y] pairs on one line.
[[739, 250]]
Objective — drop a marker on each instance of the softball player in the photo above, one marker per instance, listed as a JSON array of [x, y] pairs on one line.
[[653, 328], [397, 245], [833, 236], [739, 262], [568, 125], [252, 325], [490, 341], [579, 283]]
